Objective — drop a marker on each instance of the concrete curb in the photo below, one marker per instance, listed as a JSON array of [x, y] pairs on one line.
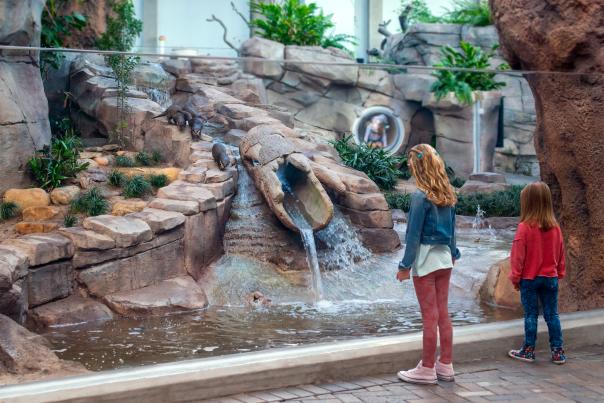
[[209, 378]]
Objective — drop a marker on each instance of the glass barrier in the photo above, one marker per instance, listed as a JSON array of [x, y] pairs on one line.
[[225, 205]]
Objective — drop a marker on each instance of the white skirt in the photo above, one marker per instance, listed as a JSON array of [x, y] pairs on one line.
[[431, 258]]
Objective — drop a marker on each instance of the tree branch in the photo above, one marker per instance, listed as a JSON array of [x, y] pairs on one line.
[[247, 22], [224, 36]]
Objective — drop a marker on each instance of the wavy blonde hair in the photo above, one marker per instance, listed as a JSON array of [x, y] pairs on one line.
[[430, 174]]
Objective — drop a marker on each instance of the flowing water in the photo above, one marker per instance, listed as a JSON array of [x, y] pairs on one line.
[[162, 97]]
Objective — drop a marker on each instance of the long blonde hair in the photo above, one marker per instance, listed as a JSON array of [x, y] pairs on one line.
[[536, 206], [430, 174]]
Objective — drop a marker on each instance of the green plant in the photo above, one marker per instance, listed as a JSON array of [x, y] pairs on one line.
[[419, 12], [292, 22], [380, 166], [470, 12], [461, 82], [123, 161], [51, 166], [158, 181], [401, 201], [499, 204], [116, 178], [55, 28], [8, 210], [90, 202], [70, 220], [156, 157], [144, 159], [122, 30], [136, 187]]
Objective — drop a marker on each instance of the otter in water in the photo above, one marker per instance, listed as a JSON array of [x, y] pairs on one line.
[[256, 298], [219, 153]]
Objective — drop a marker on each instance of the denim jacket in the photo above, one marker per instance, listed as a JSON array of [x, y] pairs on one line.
[[428, 224]]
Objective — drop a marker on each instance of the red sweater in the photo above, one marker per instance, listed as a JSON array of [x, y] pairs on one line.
[[537, 253]]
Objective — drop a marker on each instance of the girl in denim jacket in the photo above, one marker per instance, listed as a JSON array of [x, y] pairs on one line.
[[430, 253]]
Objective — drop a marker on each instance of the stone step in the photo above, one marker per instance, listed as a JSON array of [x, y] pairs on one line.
[[126, 231], [160, 220], [185, 207], [43, 248], [180, 190], [169, 296], [69, 311]]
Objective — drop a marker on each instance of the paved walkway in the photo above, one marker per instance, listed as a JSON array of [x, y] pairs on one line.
[[580, 380]]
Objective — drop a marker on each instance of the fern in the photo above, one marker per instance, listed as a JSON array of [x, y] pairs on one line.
[[8, 210], [136, 187]]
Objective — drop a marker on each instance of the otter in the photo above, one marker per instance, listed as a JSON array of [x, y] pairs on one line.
[[196, 124], [219, 153], [256, 298]]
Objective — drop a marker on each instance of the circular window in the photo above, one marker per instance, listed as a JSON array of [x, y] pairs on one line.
[[379, 126]]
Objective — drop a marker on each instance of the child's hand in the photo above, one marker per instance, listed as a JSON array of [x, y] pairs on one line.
[[403, 275]]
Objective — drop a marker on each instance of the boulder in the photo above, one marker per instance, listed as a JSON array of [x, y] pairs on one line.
[[234, 136], [380, 240], [64, 195], [13, 302], [69, 311], [497, 289], [160, 220], [126, 231], [25, 198], [260, 48], [185, 207], [414, 87], [122, 207], [24, 353], [330, 114], [170, 296], [177, 67], [185, 191], [89, 240], [49, 282], [376, 80], [41, 249], [305, 56], [152, 75], [473, 186], [39, 213], [25, 228]]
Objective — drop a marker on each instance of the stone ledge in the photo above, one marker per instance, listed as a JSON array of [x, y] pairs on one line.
[[248, 372]]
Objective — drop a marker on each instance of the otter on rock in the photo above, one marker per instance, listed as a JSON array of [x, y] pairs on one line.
[[219, 153]]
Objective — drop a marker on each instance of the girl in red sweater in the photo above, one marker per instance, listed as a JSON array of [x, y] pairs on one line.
[[537, 264]]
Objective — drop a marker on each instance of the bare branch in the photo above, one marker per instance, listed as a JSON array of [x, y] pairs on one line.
[[383, 28], [224, 36], [247, 22]]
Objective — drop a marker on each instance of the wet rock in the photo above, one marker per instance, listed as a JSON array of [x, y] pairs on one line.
[[25, 228], [170, 296], [13, 301], [257, 47], [159, 264], [338, 74], [185, 207], [497, 289], [152, 75], [25, 198], [84, 239], [380, 240], [39, 213], [160, 220], [69, 311], [24, 352], [64, 195], [370, 219], [41, 249], [49, 282], [234, 136], [126, 231], [185, 191], [217, 176]]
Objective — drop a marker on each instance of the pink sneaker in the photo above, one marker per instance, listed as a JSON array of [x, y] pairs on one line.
[[419, 374], [444, 372]]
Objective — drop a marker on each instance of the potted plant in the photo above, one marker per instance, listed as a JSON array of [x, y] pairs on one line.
[[465, 102]]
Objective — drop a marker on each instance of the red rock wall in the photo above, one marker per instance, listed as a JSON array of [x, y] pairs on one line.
[[566, 36]]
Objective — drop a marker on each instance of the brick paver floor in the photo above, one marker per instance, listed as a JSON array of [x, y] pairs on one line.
[[581, 379]]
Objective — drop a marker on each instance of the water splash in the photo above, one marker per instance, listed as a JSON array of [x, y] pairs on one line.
[[481, 224], [343, 248], [157, 95]]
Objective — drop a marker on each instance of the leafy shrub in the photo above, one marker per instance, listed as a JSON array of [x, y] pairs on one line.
[[124, 161], [292, 22], [116, 178], [55, 28], [51, 166], [8, 210], [499, 204], [463, 83], [156, 157], [135, 187], [69, 220], [470, 12], [380, 166], [420, 13], [91, 203], [158, 181]]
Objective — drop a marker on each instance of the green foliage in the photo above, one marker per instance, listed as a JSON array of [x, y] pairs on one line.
[[463, 83], [470, 12], [116, 178], [420, 13], [122, 31], [143, 159], [156, 157], [380, 166], [51, 166], [69, 220], [123, 161], [91, 203], [292, 22], [456, 182], [55, 28], [499, 204], [158, 181], [137, 186], [8, 210]]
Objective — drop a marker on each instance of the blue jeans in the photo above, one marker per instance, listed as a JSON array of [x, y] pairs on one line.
[[544, 289]]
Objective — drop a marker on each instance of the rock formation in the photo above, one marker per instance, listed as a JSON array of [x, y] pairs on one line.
[[566, 37], [24, 125]]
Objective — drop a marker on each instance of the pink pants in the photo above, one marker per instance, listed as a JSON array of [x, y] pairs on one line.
[[433, 294]]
